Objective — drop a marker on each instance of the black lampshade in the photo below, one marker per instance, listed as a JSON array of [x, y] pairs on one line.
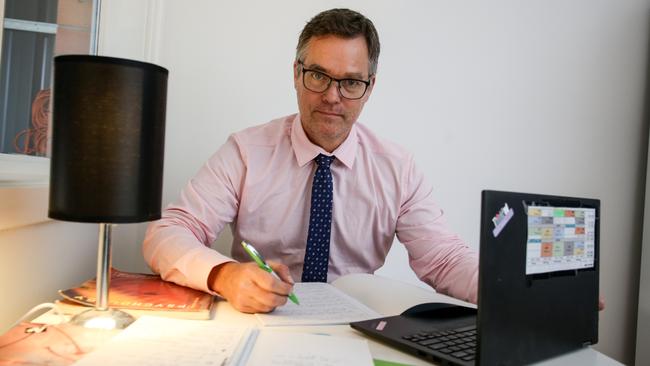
[[108, 133]]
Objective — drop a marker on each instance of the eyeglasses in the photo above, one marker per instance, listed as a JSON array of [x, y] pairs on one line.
[[318, 82]]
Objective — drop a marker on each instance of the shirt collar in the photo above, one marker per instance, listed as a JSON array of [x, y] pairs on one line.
[[306, 151]]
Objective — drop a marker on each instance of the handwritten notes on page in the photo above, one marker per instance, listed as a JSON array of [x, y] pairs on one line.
[[277, 348], [153, 341], [320, 304]]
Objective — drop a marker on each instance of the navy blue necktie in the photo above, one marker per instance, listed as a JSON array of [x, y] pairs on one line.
[[320, 223]]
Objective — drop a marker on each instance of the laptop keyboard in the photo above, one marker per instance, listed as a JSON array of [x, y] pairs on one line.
[[459, 343]]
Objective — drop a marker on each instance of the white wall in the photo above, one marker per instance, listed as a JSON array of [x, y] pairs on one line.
[[541, 96], [537, 96], [37, 260]]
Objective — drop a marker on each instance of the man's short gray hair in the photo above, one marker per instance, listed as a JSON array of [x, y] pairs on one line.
[[343, 23]]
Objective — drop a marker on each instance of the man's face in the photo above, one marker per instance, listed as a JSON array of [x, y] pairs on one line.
[[327, 117]]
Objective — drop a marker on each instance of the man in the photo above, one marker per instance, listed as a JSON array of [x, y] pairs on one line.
[[316, 193]]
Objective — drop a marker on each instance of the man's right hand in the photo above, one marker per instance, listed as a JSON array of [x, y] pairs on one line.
[[249, 288]]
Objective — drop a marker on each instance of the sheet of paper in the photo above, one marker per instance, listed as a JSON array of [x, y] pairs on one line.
[[320, 303], [166, 341], [277, 348]]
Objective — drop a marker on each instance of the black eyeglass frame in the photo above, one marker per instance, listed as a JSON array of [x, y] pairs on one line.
[[338, 82]]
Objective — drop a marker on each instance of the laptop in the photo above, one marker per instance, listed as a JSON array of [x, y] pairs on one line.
[[538, 288]]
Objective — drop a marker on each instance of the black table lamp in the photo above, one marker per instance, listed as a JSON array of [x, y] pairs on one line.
[[108, 133]]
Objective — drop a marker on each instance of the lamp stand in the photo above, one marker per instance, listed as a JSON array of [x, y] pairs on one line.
[[102, 316]]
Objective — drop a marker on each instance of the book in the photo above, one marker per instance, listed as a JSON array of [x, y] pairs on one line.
[[141, 293], [164, 341]]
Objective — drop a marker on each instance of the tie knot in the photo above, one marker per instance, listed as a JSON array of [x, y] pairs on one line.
[[324, 160]]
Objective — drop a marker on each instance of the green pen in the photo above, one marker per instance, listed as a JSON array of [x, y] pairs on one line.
[[257, 257]]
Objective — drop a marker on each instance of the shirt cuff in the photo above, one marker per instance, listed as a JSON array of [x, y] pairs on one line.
[[201, 266]]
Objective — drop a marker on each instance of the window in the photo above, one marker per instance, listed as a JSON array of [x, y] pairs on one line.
[[35, 31]]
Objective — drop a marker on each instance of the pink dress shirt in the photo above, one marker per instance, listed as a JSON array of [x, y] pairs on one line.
[[260, 181]]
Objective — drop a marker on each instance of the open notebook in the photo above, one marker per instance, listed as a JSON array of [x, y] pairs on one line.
[[163, 341], [166, 341]]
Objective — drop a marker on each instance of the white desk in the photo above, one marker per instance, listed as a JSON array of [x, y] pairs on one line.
[[387, 297]]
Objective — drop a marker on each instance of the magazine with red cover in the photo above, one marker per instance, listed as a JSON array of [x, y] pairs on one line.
[[147, 292]]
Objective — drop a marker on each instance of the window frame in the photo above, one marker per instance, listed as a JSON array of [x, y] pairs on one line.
[[24, 170], [24, 179]]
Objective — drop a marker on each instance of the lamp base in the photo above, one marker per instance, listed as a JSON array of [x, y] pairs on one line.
[[103, 319]]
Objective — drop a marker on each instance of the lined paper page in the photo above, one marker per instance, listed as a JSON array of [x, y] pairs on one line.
[[277, 348], [320, 304], [156, 341]]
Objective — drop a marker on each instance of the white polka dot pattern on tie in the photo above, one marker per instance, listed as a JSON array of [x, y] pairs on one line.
[[320, 223]]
